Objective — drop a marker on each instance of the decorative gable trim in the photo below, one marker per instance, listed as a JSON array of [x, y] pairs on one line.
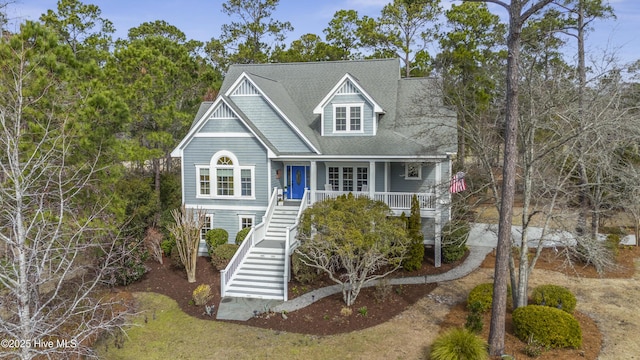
[[223, 111], [218, 110], [347, 83], [348, 88], [245, 88]]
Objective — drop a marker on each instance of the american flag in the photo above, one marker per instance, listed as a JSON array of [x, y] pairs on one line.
[[457, 183]]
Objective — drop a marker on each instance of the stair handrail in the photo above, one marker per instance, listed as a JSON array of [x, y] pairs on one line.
[[287, 242], [256, 234]]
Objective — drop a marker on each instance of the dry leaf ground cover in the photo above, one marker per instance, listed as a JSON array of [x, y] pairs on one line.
[[169, 330]]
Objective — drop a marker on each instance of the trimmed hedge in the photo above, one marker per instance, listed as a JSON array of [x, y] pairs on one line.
[[480, 297], [221, 255], [241, 235], [458, 344], [548, 326], [215, 238], [554, 296]]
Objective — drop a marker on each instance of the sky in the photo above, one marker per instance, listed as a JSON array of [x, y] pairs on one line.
[[202, 19]]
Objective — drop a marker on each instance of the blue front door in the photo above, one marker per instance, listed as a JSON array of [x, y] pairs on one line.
[[298, 182]]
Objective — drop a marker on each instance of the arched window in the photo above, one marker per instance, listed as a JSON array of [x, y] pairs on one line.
[[225, 177]]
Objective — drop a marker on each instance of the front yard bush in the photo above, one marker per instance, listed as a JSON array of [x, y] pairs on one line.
[[554, 296], [215, 238], [303, 273], [480, 297], [241, 235], [201, 294], [130, 256], [548, 326], [222, 254], [458, 344], [454, 240]]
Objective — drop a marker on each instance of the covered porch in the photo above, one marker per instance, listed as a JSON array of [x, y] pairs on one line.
[[392, 181]]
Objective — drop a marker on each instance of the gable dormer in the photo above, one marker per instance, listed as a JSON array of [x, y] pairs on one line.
[[348, 110]]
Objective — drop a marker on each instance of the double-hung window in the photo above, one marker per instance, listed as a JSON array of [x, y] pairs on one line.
[[208, 225], [205, 181], [348, 117]]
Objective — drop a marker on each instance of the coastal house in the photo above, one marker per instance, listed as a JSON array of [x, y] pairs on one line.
[[280, 137]]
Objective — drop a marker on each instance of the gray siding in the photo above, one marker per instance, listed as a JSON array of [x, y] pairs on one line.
[[272, 126], [248, 151], [224, 126], [229, 220], [399, 184], [367, 115]]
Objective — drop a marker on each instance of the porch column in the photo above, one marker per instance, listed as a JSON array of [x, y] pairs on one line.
[[372, 179], [437, 250], [442, 202], [313, 186]]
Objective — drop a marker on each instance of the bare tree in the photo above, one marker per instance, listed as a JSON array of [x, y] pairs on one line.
[[352, 240], [186, 231], [52, 303]]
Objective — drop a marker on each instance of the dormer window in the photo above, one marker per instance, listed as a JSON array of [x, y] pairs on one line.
[[348, 117]]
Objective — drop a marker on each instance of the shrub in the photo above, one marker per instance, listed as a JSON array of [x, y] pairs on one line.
[[129, 255], [168, 244], [457, 344], [301, 272], [215, 238], [481, 297], [454, 240], [474, 319], [554, 296], [152, 240], [415, 254], [613, 243], [176, 262], [241, 235], [547, 326], [222, 254], [201, 294]]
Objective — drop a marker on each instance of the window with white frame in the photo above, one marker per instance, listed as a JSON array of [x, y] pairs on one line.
[[347, 117], [413, 171], [225, 177], [204, 183], [246, 221], [208, 225], [348, 178]]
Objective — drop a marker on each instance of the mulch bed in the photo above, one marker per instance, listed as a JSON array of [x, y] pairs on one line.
[[328, 316], [323, 317]]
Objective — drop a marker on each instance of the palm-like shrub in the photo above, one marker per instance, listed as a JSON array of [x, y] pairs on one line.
[[459, 344]]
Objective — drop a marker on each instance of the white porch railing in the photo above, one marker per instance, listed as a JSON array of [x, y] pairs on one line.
[[255, 234], [291, 242], [395, 200]]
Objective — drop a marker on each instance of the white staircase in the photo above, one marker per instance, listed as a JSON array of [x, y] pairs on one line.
[[261, 272]]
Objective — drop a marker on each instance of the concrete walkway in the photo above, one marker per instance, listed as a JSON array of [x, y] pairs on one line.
[[243, 309], [482, 240]]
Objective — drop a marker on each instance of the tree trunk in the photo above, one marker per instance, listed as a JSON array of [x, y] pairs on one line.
[[499, 308]]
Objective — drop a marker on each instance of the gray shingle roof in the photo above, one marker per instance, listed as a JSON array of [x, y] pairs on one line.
[[414, 123]]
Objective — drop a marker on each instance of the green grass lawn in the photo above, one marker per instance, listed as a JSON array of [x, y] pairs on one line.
[[175, 335]]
